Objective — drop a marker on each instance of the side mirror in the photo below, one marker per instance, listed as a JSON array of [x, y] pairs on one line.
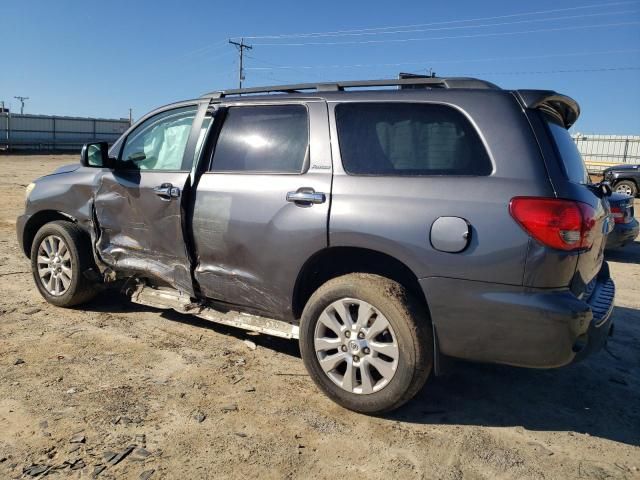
[[96, 155]]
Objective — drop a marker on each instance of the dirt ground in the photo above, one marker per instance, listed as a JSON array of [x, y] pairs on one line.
[[172, 396]]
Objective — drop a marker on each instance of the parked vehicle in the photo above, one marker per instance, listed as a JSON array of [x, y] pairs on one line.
[[626, 226], [623, 178], [384, 228]]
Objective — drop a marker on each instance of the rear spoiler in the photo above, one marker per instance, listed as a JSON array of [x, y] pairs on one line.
[[564, 108]]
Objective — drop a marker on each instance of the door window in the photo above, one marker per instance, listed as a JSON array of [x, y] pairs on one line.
[[265, 139], [159, 142]]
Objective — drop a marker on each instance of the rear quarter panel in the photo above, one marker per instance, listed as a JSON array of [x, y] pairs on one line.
[[394, 215]]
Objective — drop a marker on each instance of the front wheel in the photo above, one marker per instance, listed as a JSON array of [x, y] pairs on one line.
[[60, 254], [366, 342]]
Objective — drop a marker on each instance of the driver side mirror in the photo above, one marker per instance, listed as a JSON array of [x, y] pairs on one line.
[[96, 155]]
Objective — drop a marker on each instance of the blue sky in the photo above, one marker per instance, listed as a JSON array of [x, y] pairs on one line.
[[91, 58]]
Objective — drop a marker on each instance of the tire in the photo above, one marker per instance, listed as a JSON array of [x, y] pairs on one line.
[[70, 286], [626, 186], [409, 339]]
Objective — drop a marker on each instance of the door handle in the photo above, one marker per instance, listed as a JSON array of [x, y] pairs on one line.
[[166, 191], [306, 197]]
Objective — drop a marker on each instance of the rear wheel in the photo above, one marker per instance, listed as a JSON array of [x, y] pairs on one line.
[[627, 187], [366, 342], [60, 254]]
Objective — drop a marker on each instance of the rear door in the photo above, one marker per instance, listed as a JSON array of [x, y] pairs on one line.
[[139, 204], [261, 209]]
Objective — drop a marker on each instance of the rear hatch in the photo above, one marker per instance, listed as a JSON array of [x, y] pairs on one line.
[[569, 177], [590, 260]]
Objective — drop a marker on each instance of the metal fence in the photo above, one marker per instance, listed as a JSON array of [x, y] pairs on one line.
[[602, 151], [48, 132]]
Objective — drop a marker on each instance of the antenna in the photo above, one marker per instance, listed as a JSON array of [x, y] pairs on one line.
[[241, 46], [22, 99]]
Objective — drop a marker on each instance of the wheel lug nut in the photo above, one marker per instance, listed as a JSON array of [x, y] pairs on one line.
[[347, 334], [366, 350], [361, 335], [356, 358], [343, 348]]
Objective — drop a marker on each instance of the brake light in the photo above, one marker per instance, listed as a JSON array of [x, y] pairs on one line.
[[619, 215], [561, 224]]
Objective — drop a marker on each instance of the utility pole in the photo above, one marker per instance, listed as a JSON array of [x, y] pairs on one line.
[[241, 46], [130, 117], [22, 99]]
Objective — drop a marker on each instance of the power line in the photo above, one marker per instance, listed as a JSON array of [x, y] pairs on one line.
[[450, 37], [485, 25], [496, 17], [536, 72], [429, 61]]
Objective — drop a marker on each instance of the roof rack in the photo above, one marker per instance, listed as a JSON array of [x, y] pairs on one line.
[[424, 82]]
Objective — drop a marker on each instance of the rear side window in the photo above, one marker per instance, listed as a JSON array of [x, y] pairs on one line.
[[266, 139], [568, 152], [408, 139]]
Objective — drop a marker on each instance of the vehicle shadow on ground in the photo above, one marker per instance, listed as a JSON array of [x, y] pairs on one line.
[[599, 396], [114, 302]]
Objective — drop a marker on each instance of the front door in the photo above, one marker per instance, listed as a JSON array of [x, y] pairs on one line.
[[261, 209], [139, 203]]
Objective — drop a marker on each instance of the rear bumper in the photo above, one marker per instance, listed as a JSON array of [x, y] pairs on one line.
[[622, 234], [519, 326], [601, 325]]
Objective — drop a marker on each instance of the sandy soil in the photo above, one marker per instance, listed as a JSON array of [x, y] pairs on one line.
[[181, 398]]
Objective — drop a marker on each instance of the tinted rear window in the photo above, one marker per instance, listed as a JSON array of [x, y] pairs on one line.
[[266, 139], [568, 152], [408, 139]]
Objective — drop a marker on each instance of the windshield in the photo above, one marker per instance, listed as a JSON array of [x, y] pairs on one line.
[[572, 162]]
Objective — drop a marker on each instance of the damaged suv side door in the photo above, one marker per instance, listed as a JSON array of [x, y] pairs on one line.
[[139, 204]]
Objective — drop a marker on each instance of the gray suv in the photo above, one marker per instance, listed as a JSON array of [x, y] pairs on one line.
[[385, 224]]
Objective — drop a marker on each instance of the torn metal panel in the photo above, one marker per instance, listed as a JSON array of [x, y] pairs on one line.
[[138, 231], [167, 298]]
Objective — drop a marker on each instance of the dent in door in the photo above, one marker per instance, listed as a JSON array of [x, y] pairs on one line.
[[125, 243]]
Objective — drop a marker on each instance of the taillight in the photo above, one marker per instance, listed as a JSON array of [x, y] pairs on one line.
[[619, 215], [561, 224]]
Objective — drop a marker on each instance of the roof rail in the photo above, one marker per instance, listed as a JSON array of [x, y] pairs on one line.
[[424, 82]]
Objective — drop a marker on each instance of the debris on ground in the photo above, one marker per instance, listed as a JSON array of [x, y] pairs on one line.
[[251, 345], [35, 469], [146, 474], [117, 458], [78, 438]]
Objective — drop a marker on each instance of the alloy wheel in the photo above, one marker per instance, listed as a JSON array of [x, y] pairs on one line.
[[356, 346], [54, 265]]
